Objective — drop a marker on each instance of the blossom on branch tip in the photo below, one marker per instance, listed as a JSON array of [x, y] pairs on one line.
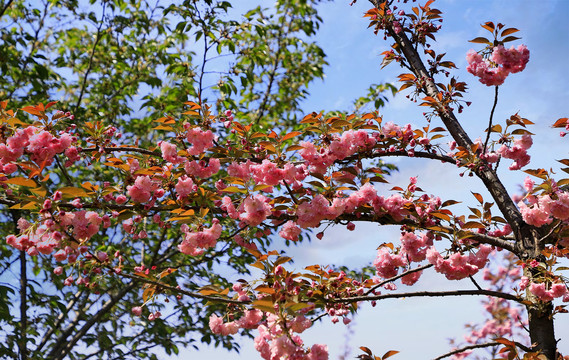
[[502, 62]]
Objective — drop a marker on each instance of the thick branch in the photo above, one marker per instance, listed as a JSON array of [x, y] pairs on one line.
[[417, 154], [499, 193], [23, 341]]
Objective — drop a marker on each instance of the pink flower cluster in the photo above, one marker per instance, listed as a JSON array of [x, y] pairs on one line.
[[340, 148], [518, 152], [311, 213], [252, 211], [504, 318], [459, 266], [249, 320], [143, 189], [273, 344], [40, 144], [185, 186], [85, 223], [504, 61], [290, 231], [545, 292], [49, 235], [194, 243], [201, 170], [200, 140], [541, 210], [170, 153], [413, 248], [268, 173], [387, 264]]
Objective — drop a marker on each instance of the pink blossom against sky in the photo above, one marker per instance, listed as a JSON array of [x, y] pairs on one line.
[[420, 328]]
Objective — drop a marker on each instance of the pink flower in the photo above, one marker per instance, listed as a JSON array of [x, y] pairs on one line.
[[318, 352], [215, 324], [504, 62], [536, 215], [170, 153], [387, 264], [200, 140], [254, 210], [85, 224], [524, 282], [194, 242], [142, 189], [512, 60], [300, 323], [60, 255], [290, 231], [136, 311], [185, 186], [250, 319], [201, 170], [540, 291]]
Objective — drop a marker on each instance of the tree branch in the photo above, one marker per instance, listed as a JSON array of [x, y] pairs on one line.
[[476, 292], [184, 292], [97, 38], [5, 7], [23, 341], [59, 321], [61, 351], [479, 346], [491, 117], [391, 279], [525, 234], [122, 148]]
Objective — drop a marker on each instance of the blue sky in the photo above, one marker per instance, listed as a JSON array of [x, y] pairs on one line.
[[420, 328]]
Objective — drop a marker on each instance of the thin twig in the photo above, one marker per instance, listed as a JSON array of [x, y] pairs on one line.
[[391, 279], [6, 7], [122, 148], [475, 283], [183, 292], [496, 294], [491, 117], [479, 346], [89, 67]]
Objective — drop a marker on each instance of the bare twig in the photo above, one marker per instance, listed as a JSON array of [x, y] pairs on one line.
[[184, 292], [491, 117], [89, 67], [479, 346], [391, 279], [496, 294]]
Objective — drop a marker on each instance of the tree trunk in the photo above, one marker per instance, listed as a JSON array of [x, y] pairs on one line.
[[541, 330]]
